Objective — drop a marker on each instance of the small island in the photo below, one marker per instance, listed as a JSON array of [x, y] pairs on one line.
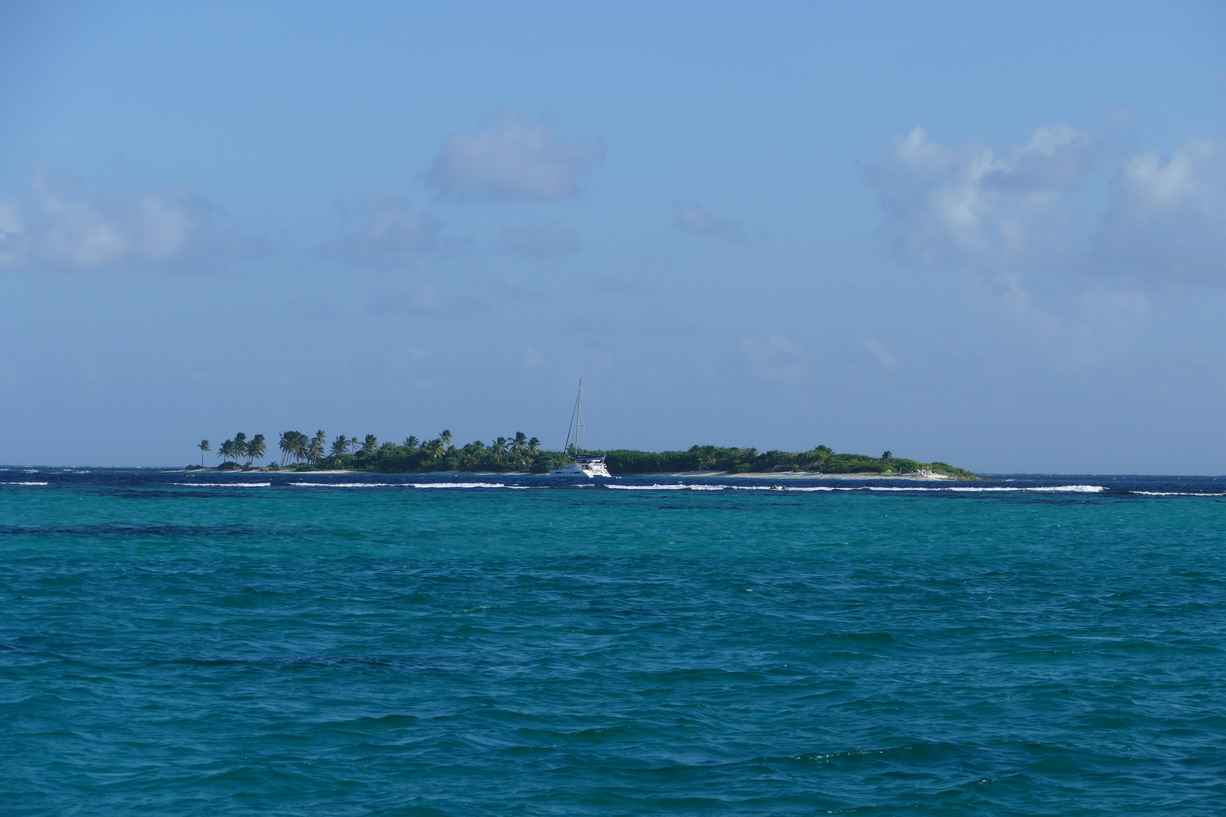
[[522, 454]]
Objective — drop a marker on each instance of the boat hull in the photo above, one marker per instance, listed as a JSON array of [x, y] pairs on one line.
[[584, 468]]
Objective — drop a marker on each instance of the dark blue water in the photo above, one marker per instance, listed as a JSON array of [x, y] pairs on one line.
[[291, 644]]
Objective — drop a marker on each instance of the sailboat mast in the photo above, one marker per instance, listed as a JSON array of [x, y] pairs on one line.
[[579, 418], [582, 465], [576, 420]]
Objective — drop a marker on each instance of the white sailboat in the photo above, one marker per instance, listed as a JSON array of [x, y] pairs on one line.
[[585, 466]]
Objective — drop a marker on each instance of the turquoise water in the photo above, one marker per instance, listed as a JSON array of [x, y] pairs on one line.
[[182, 644]]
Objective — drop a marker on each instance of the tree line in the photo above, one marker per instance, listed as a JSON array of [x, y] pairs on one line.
[[820, 459], [519, 452], [298, 451]]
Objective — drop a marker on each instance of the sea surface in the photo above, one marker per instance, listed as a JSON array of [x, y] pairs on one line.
[[193, 643]]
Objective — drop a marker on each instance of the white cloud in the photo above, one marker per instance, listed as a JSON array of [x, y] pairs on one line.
[[545, 240], [974, 209], [390, 234], [1018, 216], [512, 158], [1168, 219], [1055, 159], [691, 217], [57, 228], [1065, 251]]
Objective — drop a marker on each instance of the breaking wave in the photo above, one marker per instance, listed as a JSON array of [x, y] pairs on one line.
[[343, 485]]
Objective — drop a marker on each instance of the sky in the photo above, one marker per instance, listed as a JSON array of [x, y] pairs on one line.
[[992, 235]]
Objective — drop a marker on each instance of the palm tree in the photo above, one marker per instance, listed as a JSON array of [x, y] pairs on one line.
[[240, 446], [534, 446], [293, 445], [340, 446], [226, 451], [256, 449], [204, 447], [411, 442], [470, 455], [315, 448], [517, 447], [370, 443], [444, 437], [286, 445]]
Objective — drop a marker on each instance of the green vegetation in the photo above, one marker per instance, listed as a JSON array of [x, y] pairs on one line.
[[748, 460], [522, 453]]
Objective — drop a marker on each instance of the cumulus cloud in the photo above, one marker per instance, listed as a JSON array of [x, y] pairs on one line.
[[56, 227], [544, 240], [1168, 218], [1018, 214], [1055, 159], [512, 157], [1070, 252], [974, 208], [691, 217], [389, 234]]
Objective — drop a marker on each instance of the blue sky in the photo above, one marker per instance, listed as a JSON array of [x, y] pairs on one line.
[[990, 236]]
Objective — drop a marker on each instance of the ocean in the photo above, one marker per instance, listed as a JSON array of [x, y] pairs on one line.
[[192, 643]]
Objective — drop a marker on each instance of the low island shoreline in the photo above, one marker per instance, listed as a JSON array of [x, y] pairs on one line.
[[523, 455], [760, 476]]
